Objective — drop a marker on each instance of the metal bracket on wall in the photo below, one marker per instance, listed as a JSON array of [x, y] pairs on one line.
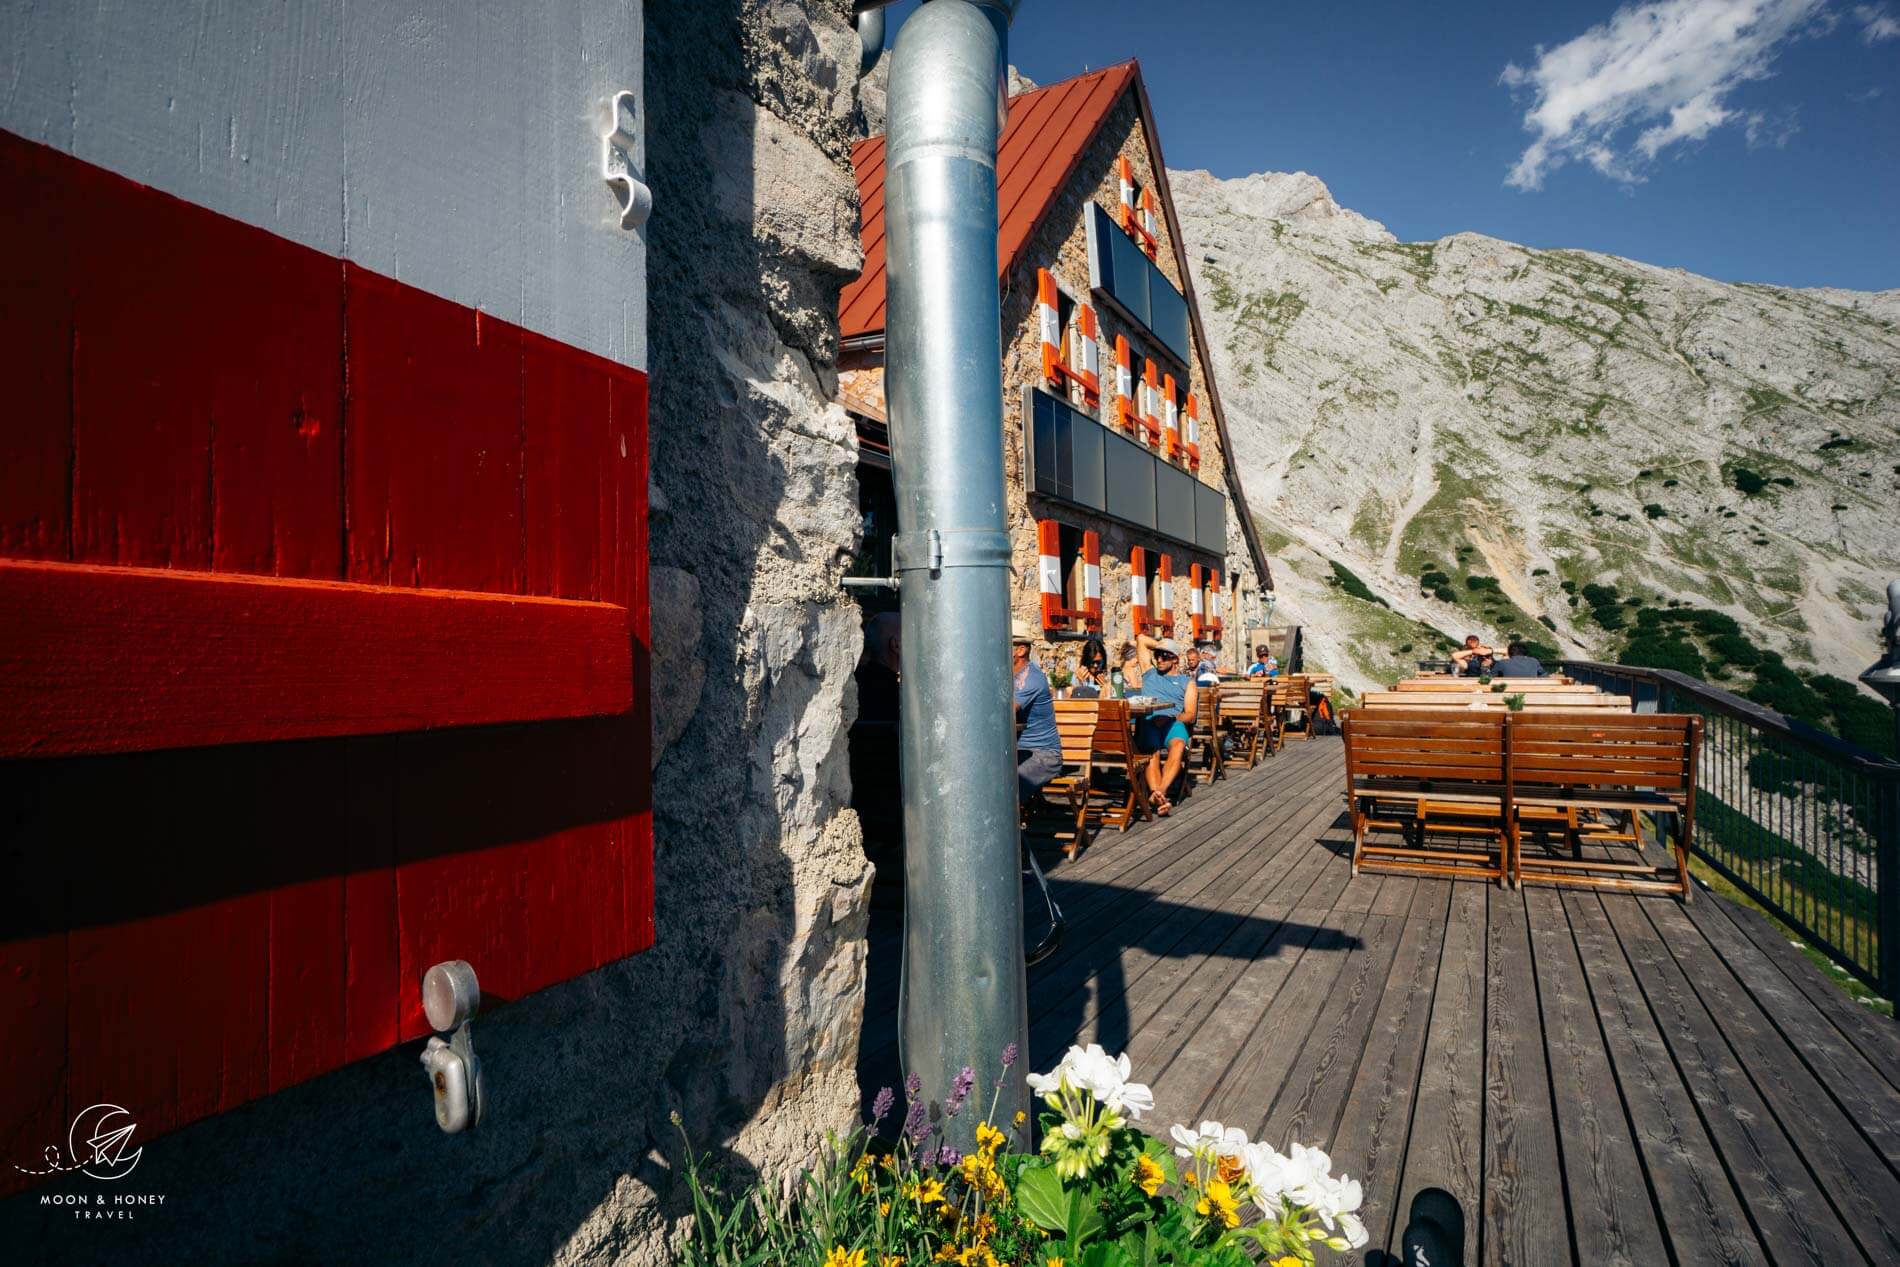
[[934, 551], [450, 998], [617, 150]]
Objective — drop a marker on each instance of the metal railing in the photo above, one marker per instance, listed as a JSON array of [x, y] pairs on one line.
[[1805, 823]]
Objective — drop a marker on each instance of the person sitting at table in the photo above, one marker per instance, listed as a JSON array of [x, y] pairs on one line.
[[1126, 678], [1039, 746], [1091, 671], [1207, 673], [1164, 732], [1259, 666], [1472, 659], [1518, 662]]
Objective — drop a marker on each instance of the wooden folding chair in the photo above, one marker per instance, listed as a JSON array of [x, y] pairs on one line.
[[1568, 771], [1420, 773], [1246, 710], [1068, 792], [1294, 695], [1204, 736], [1113, 750]]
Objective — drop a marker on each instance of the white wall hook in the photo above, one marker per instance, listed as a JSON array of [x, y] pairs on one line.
[[617, 165]]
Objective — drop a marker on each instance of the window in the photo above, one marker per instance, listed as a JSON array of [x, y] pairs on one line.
[[1121, 275]]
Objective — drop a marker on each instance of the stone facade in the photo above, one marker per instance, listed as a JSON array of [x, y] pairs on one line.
[[744, 1017], [1060, 244]]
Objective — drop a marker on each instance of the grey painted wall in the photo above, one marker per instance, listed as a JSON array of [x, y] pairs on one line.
[[451, 144]]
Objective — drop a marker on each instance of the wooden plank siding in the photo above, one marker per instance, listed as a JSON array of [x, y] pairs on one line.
[[1597, 1077]]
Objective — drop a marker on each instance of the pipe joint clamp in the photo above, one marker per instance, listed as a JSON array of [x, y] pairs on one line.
[[933, 551]]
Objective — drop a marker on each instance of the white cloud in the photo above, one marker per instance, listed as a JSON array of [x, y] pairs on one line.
[[1765, 129], [1667, 67], [1876, 24]]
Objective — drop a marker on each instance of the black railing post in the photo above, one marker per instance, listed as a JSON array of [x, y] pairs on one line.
[[1887, 888]]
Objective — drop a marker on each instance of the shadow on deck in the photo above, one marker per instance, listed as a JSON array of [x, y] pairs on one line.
[[1598, 1078]]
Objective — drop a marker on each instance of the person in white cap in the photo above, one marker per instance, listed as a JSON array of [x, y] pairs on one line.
[[1039, 746], [1164, 732]]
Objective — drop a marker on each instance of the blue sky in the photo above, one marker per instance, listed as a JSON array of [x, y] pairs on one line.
[[1749, 140]]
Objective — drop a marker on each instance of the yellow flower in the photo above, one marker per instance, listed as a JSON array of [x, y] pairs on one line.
[[988, 1138], [1288, 1261], [1055, 1260], [930, 1193], [1218, 1204], [1021, 1117], [883, 1208], [1148, 1174], [897, 1260], [839, 1258]]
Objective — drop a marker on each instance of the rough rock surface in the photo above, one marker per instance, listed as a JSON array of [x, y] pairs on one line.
[[1541, 416], [744, 1017]]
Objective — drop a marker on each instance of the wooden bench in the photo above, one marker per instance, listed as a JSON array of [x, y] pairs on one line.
[[1113, 750], [1246, 710], [1068, 792], [1573, 773], [1442, 771], [1204, 737]]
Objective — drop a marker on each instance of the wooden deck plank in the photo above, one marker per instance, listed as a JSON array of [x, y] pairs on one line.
[[1601, 1169], [1244, 1093], [1869, 1100], [1851, 1174], [1701, 1214], [1523, 1210], [1172, 999], [1374, 1128], [1877, 1038], [1312, 1096], [1790, 1213], [1596, 1077], [1096, 900], [1446, 1147]]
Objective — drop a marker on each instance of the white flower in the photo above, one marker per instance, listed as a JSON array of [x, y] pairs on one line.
[[1103, 1076], [1352, 1230], [1213, 1139]]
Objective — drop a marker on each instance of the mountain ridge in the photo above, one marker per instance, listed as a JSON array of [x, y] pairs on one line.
[[1464, 434]]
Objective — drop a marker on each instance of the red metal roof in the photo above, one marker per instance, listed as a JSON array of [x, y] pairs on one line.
[[1047, 131]]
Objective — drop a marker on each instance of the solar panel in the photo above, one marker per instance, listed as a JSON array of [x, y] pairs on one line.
[[1121, 272], [1075, 459]]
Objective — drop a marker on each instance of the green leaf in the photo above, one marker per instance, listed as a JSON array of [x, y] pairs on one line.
[[1084, 1220], [1040, 1197], [1105, 1254]]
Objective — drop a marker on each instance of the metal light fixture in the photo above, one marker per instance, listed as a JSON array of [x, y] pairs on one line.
[[1884, 675]]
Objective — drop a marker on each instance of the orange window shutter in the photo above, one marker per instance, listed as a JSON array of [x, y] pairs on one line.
[[1193, 432], [1088, 360], [1051, 330], [1124, 384], [1164, 601], [1138, 589], [1049, 571], [1170, 419], [1092, 579], [1197, 603], [1151, 391]]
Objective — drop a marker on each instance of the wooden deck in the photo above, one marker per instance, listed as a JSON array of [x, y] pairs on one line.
[[1599, 1079]]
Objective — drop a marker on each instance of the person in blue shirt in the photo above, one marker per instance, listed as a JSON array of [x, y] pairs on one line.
[[1164, 732], [1039, 746], [1259, 666]]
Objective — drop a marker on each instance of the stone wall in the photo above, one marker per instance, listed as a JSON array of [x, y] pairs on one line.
[[744, 1016], [1060, 244]]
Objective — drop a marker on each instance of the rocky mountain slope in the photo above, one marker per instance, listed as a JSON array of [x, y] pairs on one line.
[[1470, 435]]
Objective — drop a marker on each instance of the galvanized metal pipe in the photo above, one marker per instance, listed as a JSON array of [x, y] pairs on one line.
[[963, 995]]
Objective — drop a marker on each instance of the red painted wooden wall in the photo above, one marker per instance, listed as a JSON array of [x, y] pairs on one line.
[[263, 808]]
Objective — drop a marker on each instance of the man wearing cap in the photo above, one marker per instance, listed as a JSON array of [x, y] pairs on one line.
[[1039, 746], [1164, 732]]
